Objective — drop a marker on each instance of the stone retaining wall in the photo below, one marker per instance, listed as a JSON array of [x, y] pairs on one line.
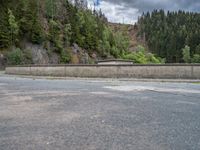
[[169, 71]]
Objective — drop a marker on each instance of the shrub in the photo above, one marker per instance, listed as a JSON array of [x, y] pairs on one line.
[[15, 57], [137, 57], [196, 58], [65, 57], [153, 59], [141, 57]]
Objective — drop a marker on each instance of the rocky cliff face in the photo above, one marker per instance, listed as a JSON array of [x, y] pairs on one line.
[[40, 55]]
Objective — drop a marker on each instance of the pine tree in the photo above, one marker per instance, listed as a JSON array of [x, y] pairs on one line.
[[167, 33], [186, 54], [13, 26], [4, 26]]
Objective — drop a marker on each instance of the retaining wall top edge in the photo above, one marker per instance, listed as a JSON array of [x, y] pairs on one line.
[[95, 65]]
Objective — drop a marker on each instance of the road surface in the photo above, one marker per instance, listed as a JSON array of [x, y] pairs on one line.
[[41, 114]]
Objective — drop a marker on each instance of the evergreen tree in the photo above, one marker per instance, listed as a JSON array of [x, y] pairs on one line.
[[67, 34], [13, 26], [51, 8], [186, 54], [4, 26], [167, 33]]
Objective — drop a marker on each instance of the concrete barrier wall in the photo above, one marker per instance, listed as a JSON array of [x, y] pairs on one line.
[[170, 71]]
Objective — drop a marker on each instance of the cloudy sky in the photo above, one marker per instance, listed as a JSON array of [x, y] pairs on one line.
[[129, 10]]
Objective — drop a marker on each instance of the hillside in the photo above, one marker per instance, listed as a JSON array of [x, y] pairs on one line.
[[132, 32], [172, 35], [57, 31]]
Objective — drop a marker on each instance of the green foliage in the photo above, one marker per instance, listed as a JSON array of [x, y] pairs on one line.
[[196, 58], [13, 26], [167, 33], [104, 47], [37, 36], [137, 57], [140, 48], [155, 60], [15, 57], [55, 36], [121, 41], [186, 54], [141, 57], [27, 20], [65, 57], [30, 23], [57, 24], [4, 26], [67, 34], [51, 8], [197, 50]]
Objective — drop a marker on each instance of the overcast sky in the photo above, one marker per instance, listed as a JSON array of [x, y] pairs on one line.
[[116, 10]]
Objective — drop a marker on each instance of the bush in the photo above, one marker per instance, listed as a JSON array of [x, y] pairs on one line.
[[153, 59], [15, 57], [196, 58], [137, 57], [55, 36], [115, 52], [141, 57], [65, 57]]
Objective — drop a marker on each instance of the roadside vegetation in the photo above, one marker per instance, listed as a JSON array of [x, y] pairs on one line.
[[57, 25]]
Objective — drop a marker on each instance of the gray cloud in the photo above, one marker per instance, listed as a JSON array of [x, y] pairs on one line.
[[148, 5], [129, 10]]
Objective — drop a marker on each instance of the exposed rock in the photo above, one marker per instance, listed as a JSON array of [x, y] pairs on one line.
[[84, 58], [76, 49], [39, 54], [54, 58]]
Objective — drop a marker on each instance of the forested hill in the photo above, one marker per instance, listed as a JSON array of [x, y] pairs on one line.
[[53, 25], [58, 31], [172, 35]]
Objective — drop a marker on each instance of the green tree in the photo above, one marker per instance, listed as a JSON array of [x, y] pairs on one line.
[[67, 34], [31, 24], [166, 33], [4, 25], [13, 26], [51, 8], [121, 42], [197, 50], [186, 54], [55, 36]]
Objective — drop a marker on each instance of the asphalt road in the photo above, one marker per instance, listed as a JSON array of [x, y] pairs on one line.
[[98, 115]]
